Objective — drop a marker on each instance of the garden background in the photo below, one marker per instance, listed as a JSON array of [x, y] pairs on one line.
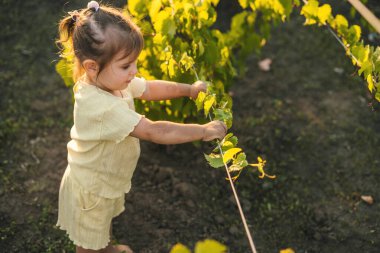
[[309, 116]]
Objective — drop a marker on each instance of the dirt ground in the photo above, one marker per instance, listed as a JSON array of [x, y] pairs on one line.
[[309, 116]]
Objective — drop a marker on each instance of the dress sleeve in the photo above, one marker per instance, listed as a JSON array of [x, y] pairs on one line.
[[137, 87], [118, 122]]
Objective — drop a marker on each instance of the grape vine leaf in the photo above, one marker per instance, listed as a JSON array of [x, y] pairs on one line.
[[210, 246], [229, 154], [215, 160], [180, 248]]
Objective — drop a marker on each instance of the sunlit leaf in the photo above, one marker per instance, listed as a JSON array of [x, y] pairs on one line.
[[370, 83], [154, 8], [210, 246], [215, 160], [243, 3], [164, 23], [208, 103], [179, 248], [310, 11], [186, 61], [288, 250], [227, 145], [229, 154], [137, 7], [200, 99], [354, 33], [324, 12], [65, 70]]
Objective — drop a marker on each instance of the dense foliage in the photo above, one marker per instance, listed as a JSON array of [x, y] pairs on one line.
[[365, 57], [182, 45]]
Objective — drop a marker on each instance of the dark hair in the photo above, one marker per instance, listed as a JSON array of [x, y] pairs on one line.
[[98, 35]]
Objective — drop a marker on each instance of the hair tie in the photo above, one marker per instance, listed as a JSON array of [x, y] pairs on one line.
[[93, 5]]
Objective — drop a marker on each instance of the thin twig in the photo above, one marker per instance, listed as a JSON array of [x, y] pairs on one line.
[[248, 233]]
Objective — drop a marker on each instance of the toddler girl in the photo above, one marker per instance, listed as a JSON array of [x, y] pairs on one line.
[[104, 146]]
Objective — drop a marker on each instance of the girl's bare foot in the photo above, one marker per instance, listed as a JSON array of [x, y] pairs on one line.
[[120, 248]]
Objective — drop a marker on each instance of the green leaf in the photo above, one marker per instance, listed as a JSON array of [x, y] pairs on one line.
[[241, 158], [210, 246], [200, 99], [340, 23], [235, 167], [371, 85], [361, 53], [208, 103], [227, 145], [354, 34], [179, 248], [186, 61], [172, 67], [230, 137], [377, 95], [164, 23], [215, 160], [154, 8], [230, 154], [224, 115], [365, 67], [65, 70], [137, 7]]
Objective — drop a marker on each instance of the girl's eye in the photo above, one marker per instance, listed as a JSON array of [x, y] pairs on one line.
[[126, 67]]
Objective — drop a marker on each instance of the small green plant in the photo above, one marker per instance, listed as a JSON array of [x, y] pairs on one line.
[[227, 153]]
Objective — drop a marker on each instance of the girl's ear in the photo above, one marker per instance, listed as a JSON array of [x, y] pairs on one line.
[[91, 67]]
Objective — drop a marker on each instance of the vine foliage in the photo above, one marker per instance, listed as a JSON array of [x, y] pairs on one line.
[[365, 57]]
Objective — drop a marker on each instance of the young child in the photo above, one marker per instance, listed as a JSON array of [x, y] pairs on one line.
[[104, 146]]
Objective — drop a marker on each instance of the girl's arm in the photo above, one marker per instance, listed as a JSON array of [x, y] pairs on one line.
[[160, 90], [166, 132]]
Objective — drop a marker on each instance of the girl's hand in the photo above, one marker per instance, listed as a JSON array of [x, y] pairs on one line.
[[197, 87], [214, 130]]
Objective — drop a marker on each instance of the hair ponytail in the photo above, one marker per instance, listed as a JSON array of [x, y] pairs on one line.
[[97, 33]]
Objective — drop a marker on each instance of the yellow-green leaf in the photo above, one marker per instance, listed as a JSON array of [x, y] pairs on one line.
[[210, 246], [288, 250], [324, 12], [230, 154], [340, 23], [199, 101], [355, 33], [154, 8], [215, 160], [65, 70], [186, 61], [227, 145], [179, 248], [137, 7], [172, 67], [164, 23], [243, 3], [370, 83], [208, 103]]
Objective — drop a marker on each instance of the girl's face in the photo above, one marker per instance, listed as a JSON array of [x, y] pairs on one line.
[[117, 74]]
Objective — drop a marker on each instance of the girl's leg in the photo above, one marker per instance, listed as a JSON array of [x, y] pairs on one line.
[[82, 250], [120, 248], [109, 249]]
